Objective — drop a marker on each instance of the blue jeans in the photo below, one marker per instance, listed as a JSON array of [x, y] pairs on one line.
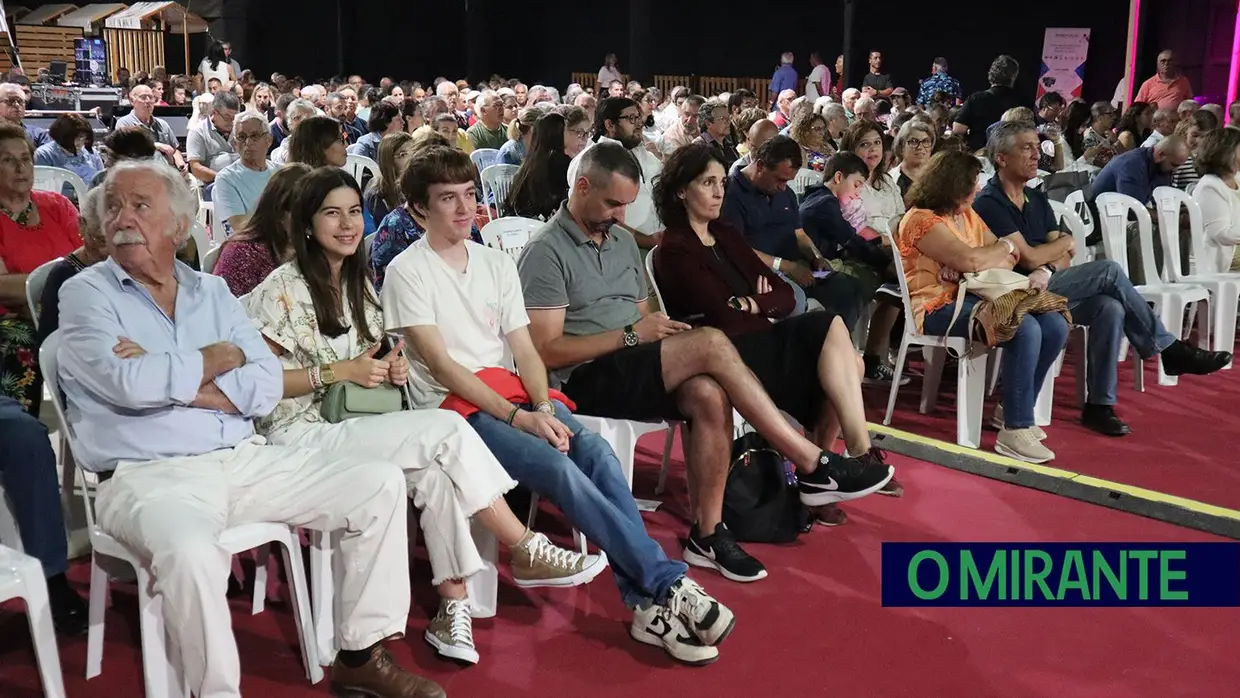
[[28, 471], [1027, 357], [1102, 298], [798, 295], [587, 485]]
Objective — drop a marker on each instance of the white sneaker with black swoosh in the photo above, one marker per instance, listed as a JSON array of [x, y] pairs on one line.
[[839, 479], [659, 626]]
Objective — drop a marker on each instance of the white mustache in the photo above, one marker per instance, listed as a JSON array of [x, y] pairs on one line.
[[128, 237]]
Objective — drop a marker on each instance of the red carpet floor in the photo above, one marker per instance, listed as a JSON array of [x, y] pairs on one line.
[[815, 627], [1184, 438]]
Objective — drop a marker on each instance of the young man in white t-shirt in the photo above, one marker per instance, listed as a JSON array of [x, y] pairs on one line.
[[818, 84], [462, 312]]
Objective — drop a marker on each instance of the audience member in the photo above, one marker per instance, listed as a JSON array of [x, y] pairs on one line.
[[68, 149], [264, 242], [913, 146], [1217, 159], [876, 83], [581, 278], [783, 79], [216, 66], [760, 132], [984, 108], [520, 133], [297, 111], [782, 116], [208, 147], [13, 100], [809, 130], [1134, 126], [1099, 294], [385, 119], [577, 129], [686, 128], [319, 141], [716, 131], [1187, 108], [1163, 124], [1098, 141], [939, 81], [1168, 87], [942, 238], [1192, 131], [93, 250], [541, 184], [383, 192], [488, 131], [818, 83], [238, 186], [143, 114], [194, 442]]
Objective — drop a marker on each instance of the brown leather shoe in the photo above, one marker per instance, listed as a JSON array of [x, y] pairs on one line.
[[381, 677]]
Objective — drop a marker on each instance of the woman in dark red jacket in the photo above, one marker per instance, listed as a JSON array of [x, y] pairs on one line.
[[708, 276]]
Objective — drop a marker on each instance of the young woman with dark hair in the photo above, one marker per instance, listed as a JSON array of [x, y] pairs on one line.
[[541, 185], [321, 316], [247, 257]]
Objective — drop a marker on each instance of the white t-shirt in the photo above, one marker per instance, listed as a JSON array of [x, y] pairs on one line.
[[813, 81], [474, 311], [641, 214]]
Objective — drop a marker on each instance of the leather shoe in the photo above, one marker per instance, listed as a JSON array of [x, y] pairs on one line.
[[381, 677], [1183, 358], [69, 612], [1102, 419]]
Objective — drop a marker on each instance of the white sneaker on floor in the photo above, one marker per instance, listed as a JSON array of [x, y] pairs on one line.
[[1023, 444], [451, 631], [997, 422], [658, 626]]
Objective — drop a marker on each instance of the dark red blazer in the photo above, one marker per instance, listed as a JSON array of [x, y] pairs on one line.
[[691, 284]]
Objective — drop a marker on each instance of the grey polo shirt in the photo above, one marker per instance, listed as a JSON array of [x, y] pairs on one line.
[[205, 145], [158, 128], [599, 286]]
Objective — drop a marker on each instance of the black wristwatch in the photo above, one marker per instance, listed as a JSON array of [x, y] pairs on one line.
[[630, 337]]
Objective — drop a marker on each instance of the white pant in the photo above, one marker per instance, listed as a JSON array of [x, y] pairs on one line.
[[173, 511], [450, 472]]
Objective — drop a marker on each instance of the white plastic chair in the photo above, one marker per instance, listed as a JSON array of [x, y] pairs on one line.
[[496, 181], [1224, 287], [21, 576], [970, 368], [210, 258], [55, 178], [1169, 300], [202, 240], [162, 677], [35, 281], [360, 165], [484, 157], [1076, 202], [804, 180], [509, 234]]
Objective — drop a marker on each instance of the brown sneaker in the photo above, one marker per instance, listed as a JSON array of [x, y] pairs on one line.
[[537, 563], [381, 677]]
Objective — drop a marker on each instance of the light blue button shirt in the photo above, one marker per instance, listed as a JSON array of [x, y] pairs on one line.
[[139, 409]]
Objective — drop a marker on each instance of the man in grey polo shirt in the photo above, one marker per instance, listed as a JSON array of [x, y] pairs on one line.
[[143, 115], [585, 293], [207, 145]]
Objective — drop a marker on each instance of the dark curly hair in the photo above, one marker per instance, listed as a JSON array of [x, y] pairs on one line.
[[683, 166], [947, 181]]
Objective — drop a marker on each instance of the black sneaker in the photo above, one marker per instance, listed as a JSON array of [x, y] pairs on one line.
[[877, 456], [1102, 419], [839, 479], [877, 372], [721, 552], [1182, 358]]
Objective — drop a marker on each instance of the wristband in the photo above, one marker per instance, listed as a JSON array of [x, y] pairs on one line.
[[776, 263], [1010, 245], [512, 415]]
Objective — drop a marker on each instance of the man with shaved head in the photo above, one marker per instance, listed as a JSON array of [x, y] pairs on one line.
[[761, 131], [1164, 125]]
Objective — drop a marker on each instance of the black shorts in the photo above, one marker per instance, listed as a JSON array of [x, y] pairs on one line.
[[785, 360], [625, 384]]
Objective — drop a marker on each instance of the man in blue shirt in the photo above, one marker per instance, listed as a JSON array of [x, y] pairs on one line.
[[939, 81], [163, 375], [1099, 294], [785, 78], [1140, 171]]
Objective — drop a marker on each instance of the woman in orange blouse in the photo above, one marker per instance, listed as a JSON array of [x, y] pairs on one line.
[[940, 238]]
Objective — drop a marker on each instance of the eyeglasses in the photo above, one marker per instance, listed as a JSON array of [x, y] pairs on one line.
[[918, 143], [634, 119], [580, 133], [14, 101], [250, 137]]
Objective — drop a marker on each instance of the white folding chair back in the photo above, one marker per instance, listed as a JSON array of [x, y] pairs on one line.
[[162, 678], [35, 281], [359, 165], [202, 240], [10, 534], [21, 576], [484, 157], [1076, 202], [55, 178], [210, 258], [970, 368], [654, 283], [1169, 300], [496, 182], [804, 180], [509, 234], [1070, 220]]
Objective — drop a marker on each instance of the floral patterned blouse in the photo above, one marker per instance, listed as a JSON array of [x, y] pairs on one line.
[[283, 312], [398, 231]]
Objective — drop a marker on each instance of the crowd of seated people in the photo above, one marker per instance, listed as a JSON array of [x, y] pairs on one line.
[[388, 283]]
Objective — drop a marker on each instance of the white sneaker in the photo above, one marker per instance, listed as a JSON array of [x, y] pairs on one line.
[[451, 631], [660, 627], [1023, 444], [709, 620], [997, 422]]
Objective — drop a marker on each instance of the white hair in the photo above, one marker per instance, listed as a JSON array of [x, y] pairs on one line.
[[821, 104], [488, 99], [181, 200], [91, 208], [300, 105], [850, 92], [787, 58], [248, 116], [1184, 106], [789, 94], [440, 90]]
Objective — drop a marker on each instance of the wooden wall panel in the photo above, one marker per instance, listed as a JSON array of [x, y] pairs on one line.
[[135, 49]]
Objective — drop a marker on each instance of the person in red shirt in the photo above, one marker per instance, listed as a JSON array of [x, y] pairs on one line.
[[36, 227], [1168, 88]]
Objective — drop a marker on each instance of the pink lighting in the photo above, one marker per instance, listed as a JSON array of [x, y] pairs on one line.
[[1235, 62], [1134, 36]]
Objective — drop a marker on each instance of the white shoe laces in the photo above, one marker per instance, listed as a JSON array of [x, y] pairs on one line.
[[542, 548], [690, 599], [460, 624]]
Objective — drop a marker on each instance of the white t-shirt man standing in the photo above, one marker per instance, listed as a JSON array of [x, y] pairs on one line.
[[818, 83]]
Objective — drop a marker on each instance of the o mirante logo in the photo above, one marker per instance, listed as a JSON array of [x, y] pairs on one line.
[[1061, 574]]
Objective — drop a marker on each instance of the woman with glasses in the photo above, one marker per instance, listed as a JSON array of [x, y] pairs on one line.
[[576, 129], [541, 184], [809, 130], [914, 145]]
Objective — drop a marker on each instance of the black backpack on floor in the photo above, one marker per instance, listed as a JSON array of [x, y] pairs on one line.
[[761, 503]]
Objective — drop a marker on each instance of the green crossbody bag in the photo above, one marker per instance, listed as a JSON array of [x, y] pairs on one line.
[[345, 400]]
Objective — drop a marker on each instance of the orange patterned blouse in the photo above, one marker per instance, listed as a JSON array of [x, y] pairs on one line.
[[931, 285]]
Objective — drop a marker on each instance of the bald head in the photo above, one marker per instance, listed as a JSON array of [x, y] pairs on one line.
[[761, 131], [1171, 152]]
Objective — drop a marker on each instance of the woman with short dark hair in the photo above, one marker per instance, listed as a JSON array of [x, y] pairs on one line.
[[319, 141], [941, 238], [70, 149]]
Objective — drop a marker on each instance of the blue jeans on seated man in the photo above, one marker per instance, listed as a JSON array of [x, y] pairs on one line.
[[1027, 357], [1102, 297], [588, 486], [28, 473]]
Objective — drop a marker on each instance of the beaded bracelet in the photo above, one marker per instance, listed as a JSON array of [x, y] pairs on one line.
[[512, 415], [316, 378]]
